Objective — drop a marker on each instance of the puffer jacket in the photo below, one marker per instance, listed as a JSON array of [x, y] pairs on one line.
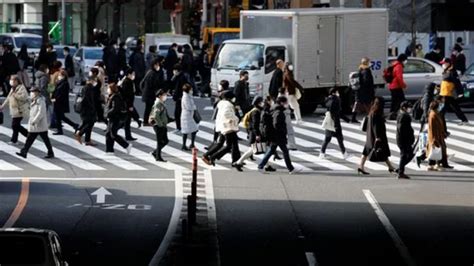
[[38, 121], [18, 102], [398, 82], [226, 120]]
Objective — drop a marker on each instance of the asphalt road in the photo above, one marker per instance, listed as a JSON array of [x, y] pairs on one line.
[[327, 213]]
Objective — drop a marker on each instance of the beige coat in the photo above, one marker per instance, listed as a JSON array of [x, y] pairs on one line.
[[18, 102], [38, 121]]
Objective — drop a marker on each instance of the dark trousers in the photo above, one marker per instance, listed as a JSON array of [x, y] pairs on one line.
[[126, 126], [30, 139], [17, 128], [146, 114], [398, 96], [111, 136], [135, 115], [161, 140], [177, 114], [453, 104], [231, 145], [406, 155], [86, 128], [100, 111], [218, 143], [328, 137], [61, 117], [272, 150]]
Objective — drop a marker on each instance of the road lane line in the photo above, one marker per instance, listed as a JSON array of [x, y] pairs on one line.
[[20, 206], [211, 212], [402, 249], [6, 166], [61, 155], [174, 221]]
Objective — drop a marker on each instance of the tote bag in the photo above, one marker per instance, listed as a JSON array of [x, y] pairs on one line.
[[259, 148], [328, 122], [435, 154]]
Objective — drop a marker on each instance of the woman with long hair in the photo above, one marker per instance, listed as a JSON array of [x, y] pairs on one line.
[[293, 91], [436, 137], [376, 144]]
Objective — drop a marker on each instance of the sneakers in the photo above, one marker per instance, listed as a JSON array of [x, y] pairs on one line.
[[270, 169], [12, 143], [322, 156], [299, 122], [21, 154], [296, 171], [346, 155], [262, 171], [129, 149], [464, 123]]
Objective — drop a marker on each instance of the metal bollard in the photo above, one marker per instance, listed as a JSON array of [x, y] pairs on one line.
[[191, 210], [184, 229], [195, 165]]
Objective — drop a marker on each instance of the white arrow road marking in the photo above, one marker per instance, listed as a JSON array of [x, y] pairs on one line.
[[101, 193]]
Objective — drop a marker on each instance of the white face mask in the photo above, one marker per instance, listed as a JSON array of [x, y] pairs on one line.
[[409, 110], [261, 104], [66, 53], [233, 100], [175, 72], [12, 83], [60, 77], [90, 74], [405, 62], [32, 95], [164, 98], [132, 77], [157, 68], [286, 106], [94, 83], [445, 66]]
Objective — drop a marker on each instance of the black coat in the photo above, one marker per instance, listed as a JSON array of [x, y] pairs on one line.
[[366, 92], [254, 126], [333, 105], [171, 60], [128, 92], [122, 58], [428, 97], [279, 124], [69, 66], [178, 83], [88, 105], [276, 83], [11, 64], [61, 96], [460, 63], [187, 62], [242, 95], [434, 57], [137, 63], [376, 129], [116, 110], [405, 133], [110, 59], [152, 82]]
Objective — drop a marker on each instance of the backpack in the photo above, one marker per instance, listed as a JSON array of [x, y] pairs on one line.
[[417, 110], [78, 102], [388, 74], [247, 117], [354, 80], [266, 123]]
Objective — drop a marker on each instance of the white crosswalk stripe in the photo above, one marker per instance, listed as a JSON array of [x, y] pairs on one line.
[[309, 137]]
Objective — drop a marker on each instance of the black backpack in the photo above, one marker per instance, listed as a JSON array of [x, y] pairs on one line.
[[266, 123], [417, 110], [388, 74], [78, 101]]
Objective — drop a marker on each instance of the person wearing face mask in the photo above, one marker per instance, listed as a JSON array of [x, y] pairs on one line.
[[397, 86], [459, 59], [88, 114], [171, 60], [153, 80], [159, 119], [180, 78], [60, 99], [279, 138], [110, 59], [277, 79], [99, 98], [127, 91], [42, 79], [242, 93], [18, 103], [37, 125], [189, 126], [116, 115], [436, 138], [69, 66], [451, 88], [405, 138], [333, 105]]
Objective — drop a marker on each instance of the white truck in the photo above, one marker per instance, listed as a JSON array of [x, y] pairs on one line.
[[323, 45], [163, 41]]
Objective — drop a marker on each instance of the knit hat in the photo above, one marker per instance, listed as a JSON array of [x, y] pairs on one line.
[[257, 100]]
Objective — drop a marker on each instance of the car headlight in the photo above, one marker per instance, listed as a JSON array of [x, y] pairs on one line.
[[470, 85]]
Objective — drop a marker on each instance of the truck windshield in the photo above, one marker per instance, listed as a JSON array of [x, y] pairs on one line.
[[240, 56]]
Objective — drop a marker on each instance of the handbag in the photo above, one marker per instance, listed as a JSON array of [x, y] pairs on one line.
[[376, 154], [197, 116], [435, 154], [259, 148], [328, 122]]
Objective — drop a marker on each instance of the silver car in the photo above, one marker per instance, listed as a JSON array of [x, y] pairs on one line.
[[417, 73], [85, 59]]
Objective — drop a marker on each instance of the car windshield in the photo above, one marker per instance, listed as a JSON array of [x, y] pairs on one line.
[[31, 42], [33, 31], [240, 56], [470, 71], [60, 52], [91, 54], [220, 37]]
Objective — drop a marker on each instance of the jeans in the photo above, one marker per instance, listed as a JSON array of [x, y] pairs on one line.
[[398, 96], [272, 150], [30, 139], [231, 145], [328, 137], [61, 117], [86, 128], [111, 136], [17, 128]]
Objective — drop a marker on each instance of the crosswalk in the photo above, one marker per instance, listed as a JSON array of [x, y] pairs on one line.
[[70, 155]]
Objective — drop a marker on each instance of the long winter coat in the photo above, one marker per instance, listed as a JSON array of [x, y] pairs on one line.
[[137, 63], [18, 102], [226, 120], [61, 96], [88, 108], [38, 121], [188, 125], [436, 132], [254, 125], [152, 82], [69, 66], [242, 95], [128, 92], [366, 92], [405, 134], [376, 129], [276, 83], [279, 123]]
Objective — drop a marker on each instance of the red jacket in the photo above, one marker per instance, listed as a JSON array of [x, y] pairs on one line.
[[397, 82]]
